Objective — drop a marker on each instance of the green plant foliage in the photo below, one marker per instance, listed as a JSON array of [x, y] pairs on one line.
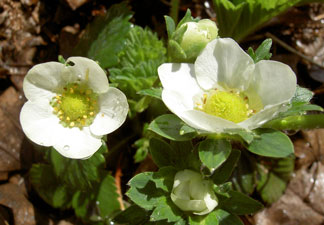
[[210, 219], [271, 143], [142, 146], [77, 173], [262, 52], [105, 37], [148, 190], [273, 178], [224, 172], [244, 177], [237, 19], [213, 152], [180, 155], [133, 215], [45, 182], [226, 218], [137, 67], [171, 127], [152, 92], [240, 204]]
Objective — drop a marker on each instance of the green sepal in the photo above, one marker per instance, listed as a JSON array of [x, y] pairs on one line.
[[170, 26]]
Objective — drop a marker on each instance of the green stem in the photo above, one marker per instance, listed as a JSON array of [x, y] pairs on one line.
[[174, 11], [297, 122]]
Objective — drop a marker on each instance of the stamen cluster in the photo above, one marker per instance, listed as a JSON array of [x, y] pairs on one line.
[[77, 106]]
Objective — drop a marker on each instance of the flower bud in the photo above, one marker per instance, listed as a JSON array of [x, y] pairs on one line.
[[192, 41], [192, 193]]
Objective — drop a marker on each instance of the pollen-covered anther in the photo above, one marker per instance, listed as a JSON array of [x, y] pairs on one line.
[[76, 106], [230, 105]]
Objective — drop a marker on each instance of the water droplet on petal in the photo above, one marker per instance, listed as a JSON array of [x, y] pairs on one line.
[[66, 147]]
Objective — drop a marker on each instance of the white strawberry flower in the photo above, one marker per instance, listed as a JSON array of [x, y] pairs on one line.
[[192, 193], [225, 90], [71, 106]]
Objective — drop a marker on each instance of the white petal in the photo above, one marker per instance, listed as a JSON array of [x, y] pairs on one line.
[[75, 143], [224, 63], [208, 123], [273, 81], [179, 77], [263, 116], [86, 70], [177, 102], [42, 80], [188, 205], [39, 123], [113, 112]]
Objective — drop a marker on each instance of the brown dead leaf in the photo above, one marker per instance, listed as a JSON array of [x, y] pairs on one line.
[[310, 149], [74, 4], [11, 135], [12, 197]]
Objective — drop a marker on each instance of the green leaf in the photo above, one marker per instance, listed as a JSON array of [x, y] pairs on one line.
[[185, 156], [152, 92], [144, 192], [166, 210], [164, 178], [107, 197], [138, 62], [272, 143], [78, 173], [44, 181], [302, 95], [226, 218], [213, 152], [142, 146], [273, 179], [180, 155], [240, 204], [169, 126], [238, 19], [223, 173], [262, 52], [244, 177], [170, 25], [299, 108], [161, 152], [133, 215], [210, 219], [81, 202], [105, 37]]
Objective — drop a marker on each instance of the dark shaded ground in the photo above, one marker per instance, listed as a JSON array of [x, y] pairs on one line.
[[34, 31]]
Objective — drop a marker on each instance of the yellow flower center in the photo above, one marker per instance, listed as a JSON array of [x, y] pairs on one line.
[[227, 105], [77, 106]]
